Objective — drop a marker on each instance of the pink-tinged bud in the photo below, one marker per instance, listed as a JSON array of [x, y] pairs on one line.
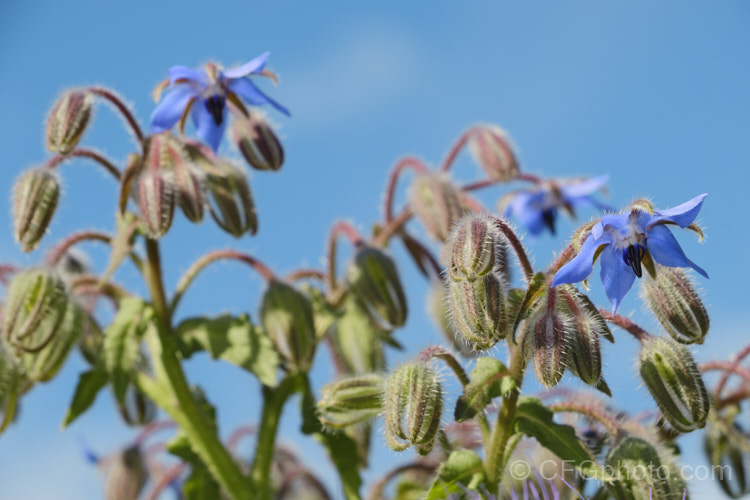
[[727, 455], [672, 297], [231, 202], [492, 151], [475, 248], [438, 306], [670, 374], [257, 142], [68, 120], [478, 310], [374, 282], [545, 339], [356, 343], [35, 198], [586, 327], [436, 202], [155, 194], [126, 475], [413, 404], [287, 318], [187, 177], [351, 400]]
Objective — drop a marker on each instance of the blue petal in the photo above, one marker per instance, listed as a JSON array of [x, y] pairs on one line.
[[206, 127], [614, 221], [585, 187], [184, 73], [170, 109], [617, 277], [666, 251], [524, 207], [254, 66], [251, 94], [682, 215], [582, 264]]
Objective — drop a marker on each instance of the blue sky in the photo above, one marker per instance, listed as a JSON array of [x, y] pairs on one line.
[[653, 93]]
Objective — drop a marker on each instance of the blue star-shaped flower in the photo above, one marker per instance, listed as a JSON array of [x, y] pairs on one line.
[[537, 208], [204, 93], [624, 240]]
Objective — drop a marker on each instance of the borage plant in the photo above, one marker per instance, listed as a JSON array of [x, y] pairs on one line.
[[502, 442]]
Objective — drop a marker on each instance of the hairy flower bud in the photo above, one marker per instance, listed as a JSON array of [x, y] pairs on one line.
[[475, 248], [413, 404], [188, 180], [351, 400], [672, 297], [374, 282], [545, 339], [155, 195], [357, 343], [43, 365], [35, 198], [11, 378], [438, 306], [491, 149], [437, 203], [257, 142], [68, 120], [287, 318], [728, 457], [126, 475], [478, 310], [642, 472], [137, 409], [669, 372], [584, 355], [231, 202]]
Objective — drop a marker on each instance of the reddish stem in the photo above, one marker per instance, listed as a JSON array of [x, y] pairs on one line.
[[85, 153], [473, 186], [562, 259], [340, 228], [300, 274], [409, 162], [238, 434], [59, 250], [626, 324], [517, 246], [726, 366], [456, 148], [121, 107], [725, 376], [165, 479], [5, 270], [151, 429]]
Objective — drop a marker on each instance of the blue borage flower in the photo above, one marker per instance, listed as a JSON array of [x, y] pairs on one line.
[[626, 240], [204, 92], [537, 208]]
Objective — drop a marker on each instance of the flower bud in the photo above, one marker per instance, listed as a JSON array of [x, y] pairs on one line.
[[188, 180], [11, 377], [584, 355], [257, 142], [155, 195], [545, 339], [68, 120], [413, 403], [35, 197], [728, 457], [126, 475], [374, 282], [357, 343], [478, 310], [231, 202], [438, 306], [669, 372], [475, 248], [351, 400], [490, 148], [43, 365], [672, 297], [436, 202], [137, 409], [287, 318]]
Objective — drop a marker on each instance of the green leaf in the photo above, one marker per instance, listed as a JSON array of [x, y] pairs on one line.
[[489, 379], [89, 384], [323, 314], [232, 339], [200, 485], [536, 285], [463, 468]]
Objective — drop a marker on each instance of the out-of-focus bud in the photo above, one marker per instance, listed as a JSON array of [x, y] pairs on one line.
[[11, 378], [35, 197], [287, 318], [727, 457], [669, 372], [584, 354], [351, 400], [545, 338], [436, 202], [231, 202], [137, 409], [475, 248], [68, 120], [357, 343], [257, 142], [188, 181], [413, 404], [91, 340], [491, 149], [672, 297], [126, 475], [374, 282], [44, 364], [438, 306], [478, 310]]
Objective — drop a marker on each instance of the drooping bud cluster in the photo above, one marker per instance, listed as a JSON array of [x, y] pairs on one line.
[[373, 280], [126, 475], [672, 297], [727, 455], [545, 338], [230, 200], [670, 374], [439, 309], [68, 120], [351, 400], [287, 318], [492, 151], [35, 198], [436, 202], [257, 142], [413, 404]]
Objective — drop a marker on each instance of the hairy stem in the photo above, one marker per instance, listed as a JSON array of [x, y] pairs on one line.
[[91, 154], [515, 243], [404, 163], [626, 324], [121, 107], [339, 228]]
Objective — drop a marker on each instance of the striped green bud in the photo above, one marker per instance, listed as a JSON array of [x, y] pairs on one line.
[[68, 120], [136, 408], [584, 355], [373, 280], [287, 318], [43, 365], [126, 475], [728, 459], [438, 306], [35, 197], [351, 400], [437, 203], [545, 338], [11, 382], [413, 404], [478, 310], [475, 249], [670, 374], [257, 142], [357, 343], [187, 177], [230, 200], [672, 297], [491, 149]]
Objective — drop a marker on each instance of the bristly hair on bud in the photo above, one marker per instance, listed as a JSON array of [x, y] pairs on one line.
[[356, 343], [475, 248], [351, 400], [674, 300], [35, 197], [546, 337], [437, 203], [491, 149], [413, 405], [438, 307], [230, 200], [256, 140], [126, 475], [726, 454], [478, 310], [68, 120], [672, 378]]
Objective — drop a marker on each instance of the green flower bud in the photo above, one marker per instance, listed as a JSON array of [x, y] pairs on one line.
[[413, 404], [44, 364], [231, 202], [11, 382], [187, 178], [374, 282], [437, 203], [35, 198], [672, 297], [491, 149], [438, 306], [546, 339], [478, 310], [584, 355], [669, 372], [126, 475], [68, 120], [257, 142], [137, 409], [351, 400], [729, 459], [357, 343], [475, 249], [287, 318]]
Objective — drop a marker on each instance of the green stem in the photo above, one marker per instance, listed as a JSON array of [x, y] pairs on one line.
[[178, 401]]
